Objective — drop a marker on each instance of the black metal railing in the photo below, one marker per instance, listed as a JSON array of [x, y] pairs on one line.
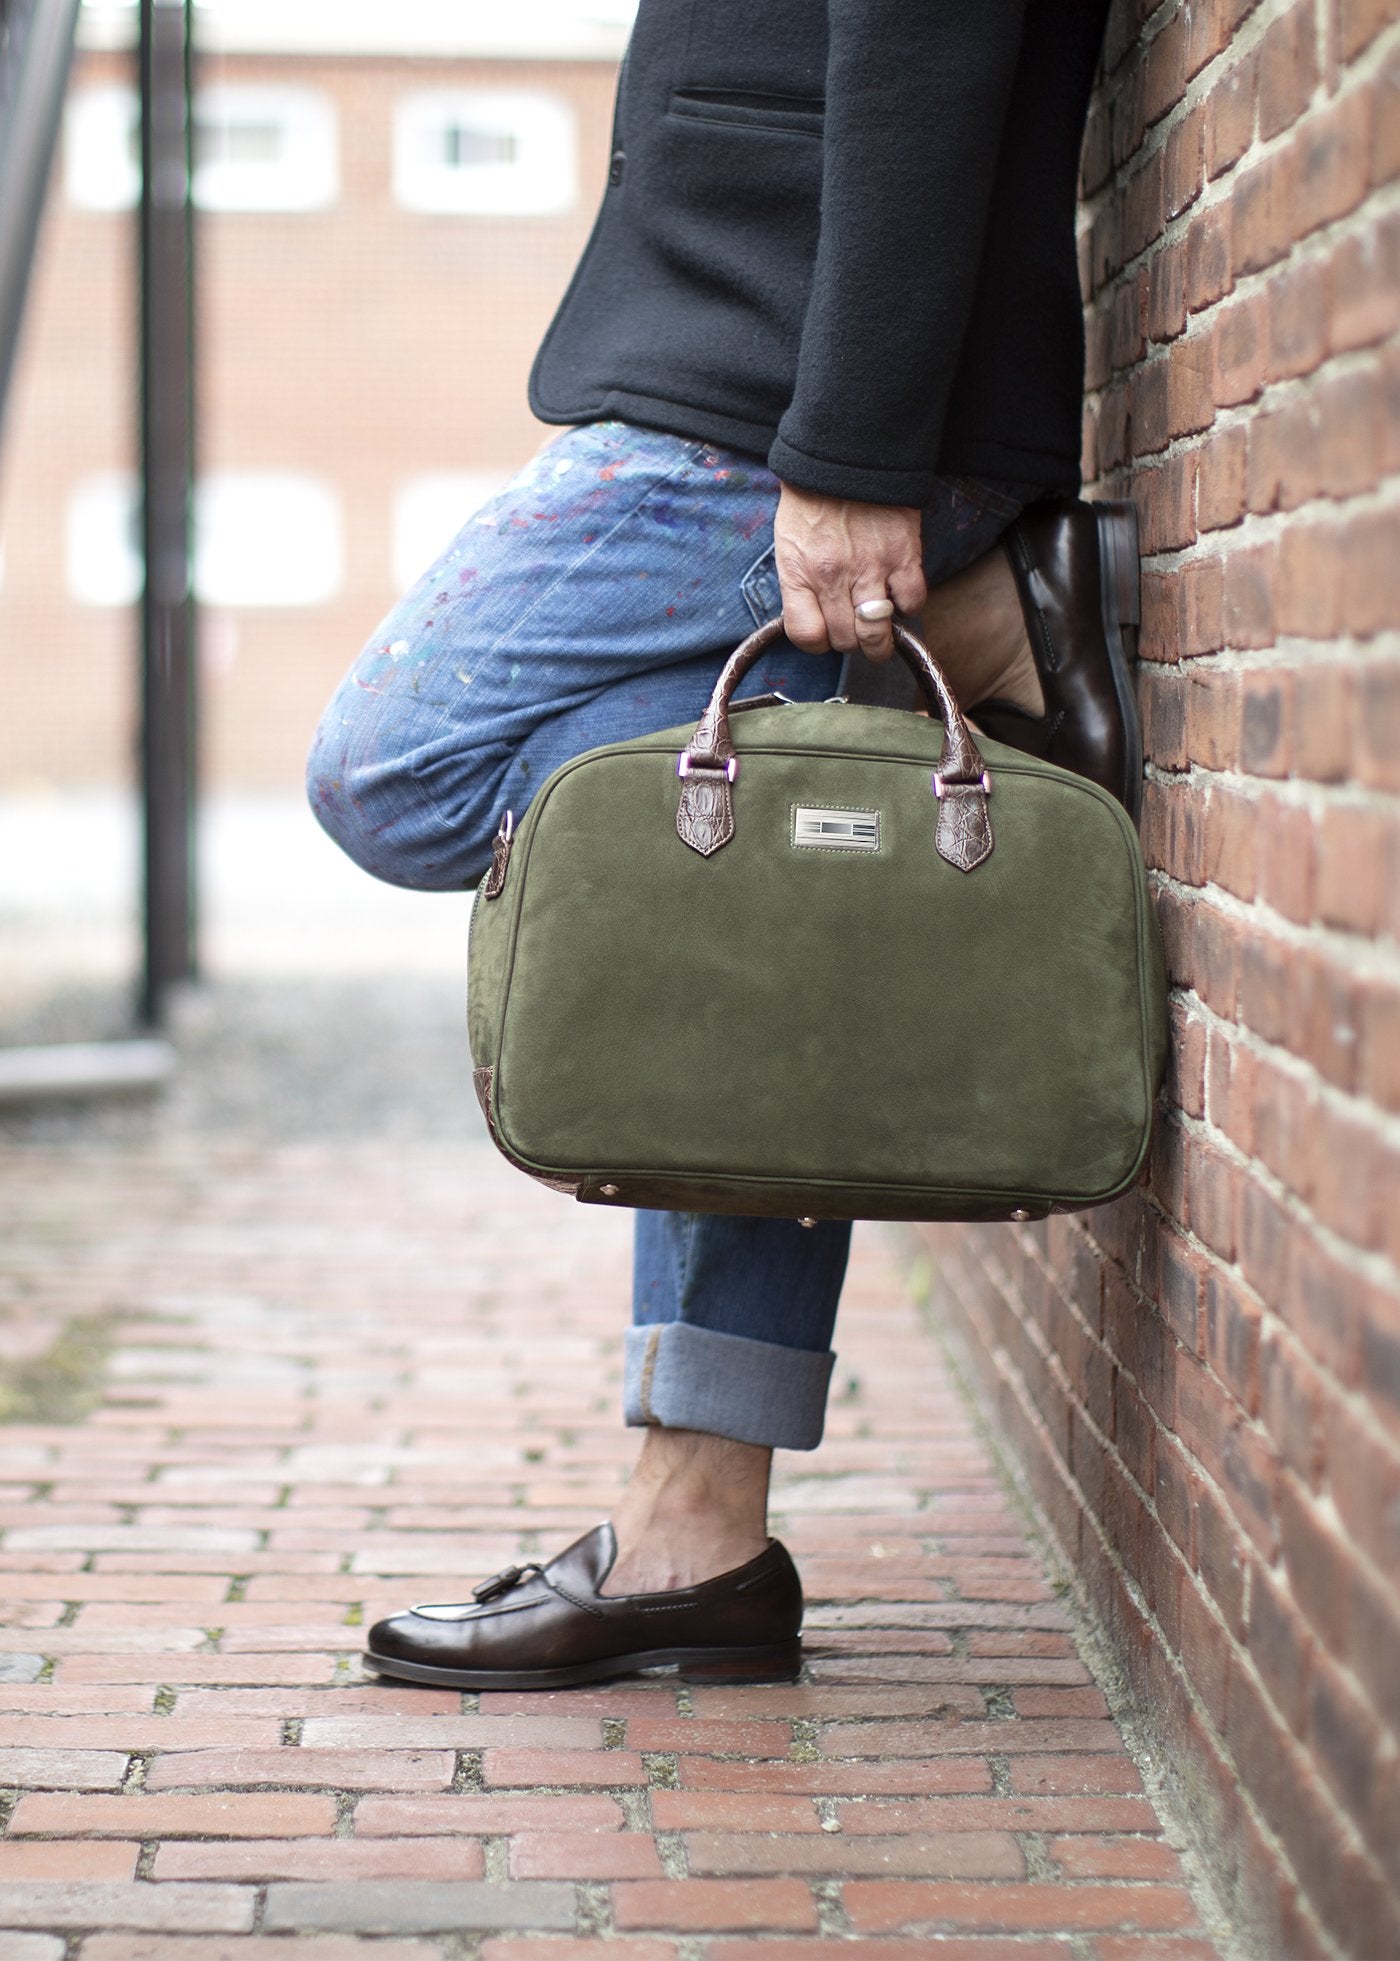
[[36, 46], [168, 614]]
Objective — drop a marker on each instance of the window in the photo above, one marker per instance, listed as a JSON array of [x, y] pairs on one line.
[[483, 151], [267, 538], [102, 542], [256, 149], [429, 511], [263, 538], [102, 149], [264, 149]]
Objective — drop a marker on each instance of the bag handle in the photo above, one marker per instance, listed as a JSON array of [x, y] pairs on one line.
[[709, 763]]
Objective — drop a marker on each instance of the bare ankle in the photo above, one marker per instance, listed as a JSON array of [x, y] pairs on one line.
[[976, 631], [696, 1507]]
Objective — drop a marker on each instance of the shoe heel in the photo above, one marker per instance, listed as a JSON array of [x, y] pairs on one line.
[[1121, 582], [779, 1663], [1118, 562]]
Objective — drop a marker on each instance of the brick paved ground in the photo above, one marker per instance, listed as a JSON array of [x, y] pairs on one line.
[[355, 1361]]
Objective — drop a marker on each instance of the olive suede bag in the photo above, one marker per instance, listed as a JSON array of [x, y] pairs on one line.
[[850, 965]]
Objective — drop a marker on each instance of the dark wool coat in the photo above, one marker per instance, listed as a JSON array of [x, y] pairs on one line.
[[840, 234]]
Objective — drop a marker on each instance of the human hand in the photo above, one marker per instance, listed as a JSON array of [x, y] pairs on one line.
[[831, 554]]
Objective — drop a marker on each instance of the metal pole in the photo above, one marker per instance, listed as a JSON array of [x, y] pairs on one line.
[[167, 472]]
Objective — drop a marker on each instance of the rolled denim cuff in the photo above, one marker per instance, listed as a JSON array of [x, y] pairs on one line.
[[688, 1378]]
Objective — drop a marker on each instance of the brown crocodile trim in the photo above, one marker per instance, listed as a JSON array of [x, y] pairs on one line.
[[500, 860], [482, 1080], [964, 836], [705, 820]]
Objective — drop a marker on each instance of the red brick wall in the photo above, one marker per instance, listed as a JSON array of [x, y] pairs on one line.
[[1203, 1381]]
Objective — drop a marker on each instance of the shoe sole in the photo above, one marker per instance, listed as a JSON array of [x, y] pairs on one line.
[[779, 1662], [1120, 590]]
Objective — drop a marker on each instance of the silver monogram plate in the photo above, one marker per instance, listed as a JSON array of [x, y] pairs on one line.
[[836, 830]]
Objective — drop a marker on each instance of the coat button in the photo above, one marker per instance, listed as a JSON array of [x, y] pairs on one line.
[[619, 158]]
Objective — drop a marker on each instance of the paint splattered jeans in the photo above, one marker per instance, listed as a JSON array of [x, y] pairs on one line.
[[596, 598]]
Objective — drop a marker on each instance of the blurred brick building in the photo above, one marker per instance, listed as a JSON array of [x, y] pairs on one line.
[[390, 203]]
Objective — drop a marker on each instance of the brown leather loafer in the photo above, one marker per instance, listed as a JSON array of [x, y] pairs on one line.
[[548, 1627], [1076, 571]]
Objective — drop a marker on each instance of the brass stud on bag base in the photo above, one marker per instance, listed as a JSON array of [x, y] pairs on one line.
[[807, 1222], [608, 1191], [1020, 1214]]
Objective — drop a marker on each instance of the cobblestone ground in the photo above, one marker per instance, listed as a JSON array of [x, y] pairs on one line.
[[353, 1361]]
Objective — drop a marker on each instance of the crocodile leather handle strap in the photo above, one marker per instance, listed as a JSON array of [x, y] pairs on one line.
[[709, 764]]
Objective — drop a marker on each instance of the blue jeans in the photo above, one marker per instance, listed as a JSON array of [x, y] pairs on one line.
[[596, 598]]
